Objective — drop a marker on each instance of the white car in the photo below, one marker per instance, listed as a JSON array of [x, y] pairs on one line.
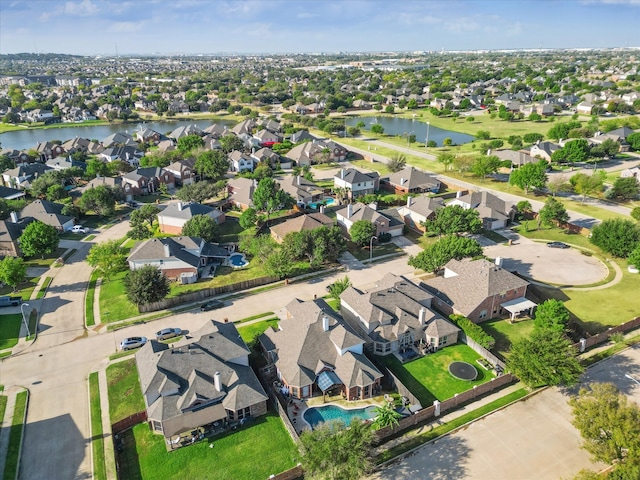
[[132, 342], [79, 229]]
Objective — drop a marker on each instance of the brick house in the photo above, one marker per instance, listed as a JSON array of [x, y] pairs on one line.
[[410, 180], [172, 219], [145, 181]]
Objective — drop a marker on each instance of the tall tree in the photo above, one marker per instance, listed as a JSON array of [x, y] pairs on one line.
[[397, 162], [333, 452], [39, 239], [625, 188], [230, 142], [268, 197], [435, 256], [202, 226], [200, 191], [212, 164], [573, 151], [530, 175], [485, 165], [386, 416], [454, 219], [616, 236], [96, 168], [361, 232], [552, 212], [100, 199], [551, 314], [446, 159], [190, 142], [586, 185], [146, 285], [546, 357], [13, 271], [108, 258], [339, 286]]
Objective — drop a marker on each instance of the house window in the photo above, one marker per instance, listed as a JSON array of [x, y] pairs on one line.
[[483, 314], [443, 340], [243, 413], [365, 391], [156, 425]]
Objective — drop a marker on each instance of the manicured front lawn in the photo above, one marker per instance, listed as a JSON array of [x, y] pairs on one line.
[[506, 333], [125, 395], [46, 261], [428, 377], [255, 451], [9, 330], [363, 253], [250, 332], [114, 304]]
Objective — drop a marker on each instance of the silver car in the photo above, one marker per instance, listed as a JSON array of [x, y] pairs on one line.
[[167, 333], [132, 342]]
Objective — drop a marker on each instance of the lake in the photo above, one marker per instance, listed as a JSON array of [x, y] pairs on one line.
[[26, 139], [406, 126]]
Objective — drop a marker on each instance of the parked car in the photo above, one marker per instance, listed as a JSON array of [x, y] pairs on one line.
[[132, 342], [166, 333], [79, 229], [557, 245], [211, 305], [8, 301]]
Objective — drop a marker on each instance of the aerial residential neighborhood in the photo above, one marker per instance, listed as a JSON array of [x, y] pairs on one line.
[[380, 263]]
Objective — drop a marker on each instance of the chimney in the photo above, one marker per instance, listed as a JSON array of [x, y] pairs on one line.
[[180, 206], [349, 210], [402, 180], [325, 323], [299, 179], [499, 261], [167, 250], [217, 381], [322, 207], [458, 193], [342, 174], [15, 217], [422, 315], [488, 152], [409, 201]]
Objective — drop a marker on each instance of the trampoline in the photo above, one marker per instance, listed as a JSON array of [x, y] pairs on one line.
[[463, 371]]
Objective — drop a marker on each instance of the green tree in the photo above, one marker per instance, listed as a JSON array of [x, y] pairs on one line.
[[530, 175], [446, 159], [361, 232], [278, 264], [551, 314], [377, 129], [625, 188], [635, 214], [573, 151], [386, 416], [248, 218], [202, 226], [586, 185], [447, 142], [339, 286], [230, 142], [108, 258], [634, 141], [397, 162], [146, 285], [616, 236], [552, 212], [634, 256], [608, 423], [212, 164], [483, 135], [96, 168], [454, 219], [100, 199], [559, 130], [56, 192], [333, 452], [546, 357], [13, 271], [524, 208], [485, 165], [268, 197], [531, 138], [200, 191], [189, 143], [39, 239], [435, 256]]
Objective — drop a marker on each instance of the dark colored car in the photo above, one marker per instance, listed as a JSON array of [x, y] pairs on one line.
[[557, 245], [211, 305]]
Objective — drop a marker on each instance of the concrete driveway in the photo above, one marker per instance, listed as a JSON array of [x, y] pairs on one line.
[[551, 265]]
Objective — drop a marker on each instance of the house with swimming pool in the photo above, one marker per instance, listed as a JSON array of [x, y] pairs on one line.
[[396, 317], [315, 353]]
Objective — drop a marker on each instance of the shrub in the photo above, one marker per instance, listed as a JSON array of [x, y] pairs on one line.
[[473, 331]]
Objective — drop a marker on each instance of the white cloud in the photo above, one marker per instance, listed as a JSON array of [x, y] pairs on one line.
[[85, 8]]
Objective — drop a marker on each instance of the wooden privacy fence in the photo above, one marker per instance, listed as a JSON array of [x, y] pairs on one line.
[[205, 293], [128, 422]]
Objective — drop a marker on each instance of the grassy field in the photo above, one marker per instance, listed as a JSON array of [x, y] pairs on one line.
[[506, 333], [15, 436], [125, 395], [257, 450], [97, 443], [428, 377], [10, 330]]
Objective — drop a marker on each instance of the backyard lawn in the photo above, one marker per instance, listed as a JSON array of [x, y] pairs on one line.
[[506, 333], [125, 395], [428, 377], [257, 450]]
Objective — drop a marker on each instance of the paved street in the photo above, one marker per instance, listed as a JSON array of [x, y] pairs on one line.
[[530, 440]]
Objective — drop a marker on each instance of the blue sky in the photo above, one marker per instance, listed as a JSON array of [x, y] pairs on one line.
[[88, 27]]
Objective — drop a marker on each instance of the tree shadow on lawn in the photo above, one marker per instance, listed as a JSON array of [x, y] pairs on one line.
[[127, 460]]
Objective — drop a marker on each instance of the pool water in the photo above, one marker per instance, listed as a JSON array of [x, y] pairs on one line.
[[238, 260], [316, 415], [327, 202]]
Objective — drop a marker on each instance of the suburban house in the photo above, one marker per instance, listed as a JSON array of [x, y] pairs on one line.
[[418, 210], [266, 137], [494, 212], [21, 176], [241, 162], [240, 192], [410, 180], [49, 213], [147, 135], [301, 136], [543, 150], [10, 231], [601, 137], [48, 150], [127, 153], [269, 157], [309, 221], [303, 191], [517, 158], [185, 131], [584, 108], [315, 351], [396, 315], [357, 183], [194, 385], [359, 211], [146, 180], [183, 171], [631, 172], [113, 182], [246, 126], [175, 215], [10, 193], [305, 154], [479, 290], [119, 139], [182, 259]]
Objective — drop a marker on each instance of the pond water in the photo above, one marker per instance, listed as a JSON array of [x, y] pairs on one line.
[[406, 126], [26, 138], [316, 415]]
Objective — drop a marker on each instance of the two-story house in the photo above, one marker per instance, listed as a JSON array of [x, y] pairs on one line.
[[356, 183]]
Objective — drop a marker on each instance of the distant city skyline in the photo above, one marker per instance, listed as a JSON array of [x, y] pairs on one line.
[[144, 27]]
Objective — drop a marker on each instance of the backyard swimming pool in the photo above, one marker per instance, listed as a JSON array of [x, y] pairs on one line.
[[327, 201], [238, 260], [316, 415]]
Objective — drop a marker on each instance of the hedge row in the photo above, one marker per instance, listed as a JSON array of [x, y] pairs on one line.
[[473, 331]]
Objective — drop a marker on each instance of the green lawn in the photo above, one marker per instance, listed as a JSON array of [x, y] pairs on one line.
[[46, 261], [255, 451], [3, 406], [10, 330], [89, 318], [15, 436], [363, 253], [125, 395], [506, 333], [43, 289], [250, 332], [114, 304], [230, 231], [428, 377], [24, 289], [97, 443]]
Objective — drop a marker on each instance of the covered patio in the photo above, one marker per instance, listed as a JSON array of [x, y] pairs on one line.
[[518, 305]]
